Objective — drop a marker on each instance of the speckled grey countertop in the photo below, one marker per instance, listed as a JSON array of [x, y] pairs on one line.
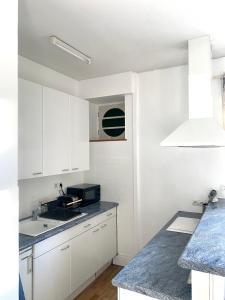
[[154, 270], [92, 210], [206, 249]]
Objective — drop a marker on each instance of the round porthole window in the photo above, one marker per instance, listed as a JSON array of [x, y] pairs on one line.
[[113, 122]]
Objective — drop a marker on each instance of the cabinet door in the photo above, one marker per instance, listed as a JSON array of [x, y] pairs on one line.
[[51, 273], [25, 266], [56, 132], [30, 129], [80, 133], [83, 260], [108, 240]]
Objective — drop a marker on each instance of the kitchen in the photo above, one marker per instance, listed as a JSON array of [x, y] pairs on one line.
[[100, 181]]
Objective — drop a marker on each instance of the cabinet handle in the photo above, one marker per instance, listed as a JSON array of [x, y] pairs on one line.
[[67, 247], [108, 215], [103, 226], [29, 264], [74, 169], [65, 170], [36, 173], [95, 230], [86, 226]]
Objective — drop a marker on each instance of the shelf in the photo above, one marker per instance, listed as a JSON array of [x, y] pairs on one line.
[[107, 140]]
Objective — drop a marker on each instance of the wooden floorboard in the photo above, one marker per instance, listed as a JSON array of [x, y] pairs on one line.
[[101, 288]]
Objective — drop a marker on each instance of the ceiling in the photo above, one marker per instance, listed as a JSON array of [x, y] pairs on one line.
[[119, 35]]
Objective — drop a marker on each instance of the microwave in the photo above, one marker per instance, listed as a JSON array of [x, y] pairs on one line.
[[89, 193]]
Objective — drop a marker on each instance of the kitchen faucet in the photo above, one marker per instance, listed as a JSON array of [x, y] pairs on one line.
[[35, 214]]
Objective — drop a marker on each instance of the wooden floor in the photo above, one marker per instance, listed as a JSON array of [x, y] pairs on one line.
[[101, 288]]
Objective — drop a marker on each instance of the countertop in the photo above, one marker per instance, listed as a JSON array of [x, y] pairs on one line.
[[205, 251], [154, 270], [92, 210]]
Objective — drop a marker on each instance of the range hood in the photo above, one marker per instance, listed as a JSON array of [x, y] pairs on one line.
[[201, 130]]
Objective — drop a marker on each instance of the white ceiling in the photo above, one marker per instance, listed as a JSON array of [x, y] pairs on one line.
[[120, 35]]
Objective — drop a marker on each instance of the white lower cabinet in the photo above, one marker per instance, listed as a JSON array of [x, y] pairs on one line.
[[92, 250], [82, 259], [62, 270], [52, 274], [108, 242], [26, 272]]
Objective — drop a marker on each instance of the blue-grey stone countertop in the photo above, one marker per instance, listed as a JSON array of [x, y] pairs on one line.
[[154, 270], [206, 249], [92, 210]]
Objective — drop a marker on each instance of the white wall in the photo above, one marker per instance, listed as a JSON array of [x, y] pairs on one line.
[[8, 152], [112, 167], [35, 72], [218, 66], [117, 84], [170, 178], [34, 190], [111, 163], [93, 113]]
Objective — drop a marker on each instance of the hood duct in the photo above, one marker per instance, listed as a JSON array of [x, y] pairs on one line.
[[201, 130]]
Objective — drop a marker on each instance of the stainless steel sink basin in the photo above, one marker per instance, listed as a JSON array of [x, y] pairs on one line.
[[38, 226]]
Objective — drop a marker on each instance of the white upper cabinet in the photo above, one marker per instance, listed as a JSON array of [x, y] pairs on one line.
[[30, 129], [79, 134], [56, 132], [53, 131]]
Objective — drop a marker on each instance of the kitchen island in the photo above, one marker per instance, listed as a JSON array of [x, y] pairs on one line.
[[154, 271], [161, 269], [205, 255]]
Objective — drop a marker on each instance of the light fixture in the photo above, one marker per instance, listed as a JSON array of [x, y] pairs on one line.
[[69, 49]]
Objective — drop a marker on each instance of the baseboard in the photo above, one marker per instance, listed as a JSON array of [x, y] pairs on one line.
[[121, 260], [99, 272]]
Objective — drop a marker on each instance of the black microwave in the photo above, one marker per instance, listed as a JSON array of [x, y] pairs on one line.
[[89, 193]]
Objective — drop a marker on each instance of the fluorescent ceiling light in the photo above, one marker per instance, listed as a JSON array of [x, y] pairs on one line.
[[69, 49]]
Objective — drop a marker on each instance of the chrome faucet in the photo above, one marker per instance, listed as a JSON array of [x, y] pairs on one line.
[[35, 214]]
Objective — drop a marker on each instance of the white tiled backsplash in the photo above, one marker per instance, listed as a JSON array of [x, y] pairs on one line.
[[31, 191]]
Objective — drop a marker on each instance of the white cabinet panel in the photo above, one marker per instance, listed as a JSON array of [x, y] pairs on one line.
[[53, 131], [83, 260], [126, 294], [108, 240], [62, 270], [91, 250], [30, 129], [79, 134], [52, 274], [56, 132], [25, 266]]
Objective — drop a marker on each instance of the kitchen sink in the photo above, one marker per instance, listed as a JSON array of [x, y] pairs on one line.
[[39, 226]]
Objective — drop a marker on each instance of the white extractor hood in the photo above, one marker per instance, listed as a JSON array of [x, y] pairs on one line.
[[201, 130]]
